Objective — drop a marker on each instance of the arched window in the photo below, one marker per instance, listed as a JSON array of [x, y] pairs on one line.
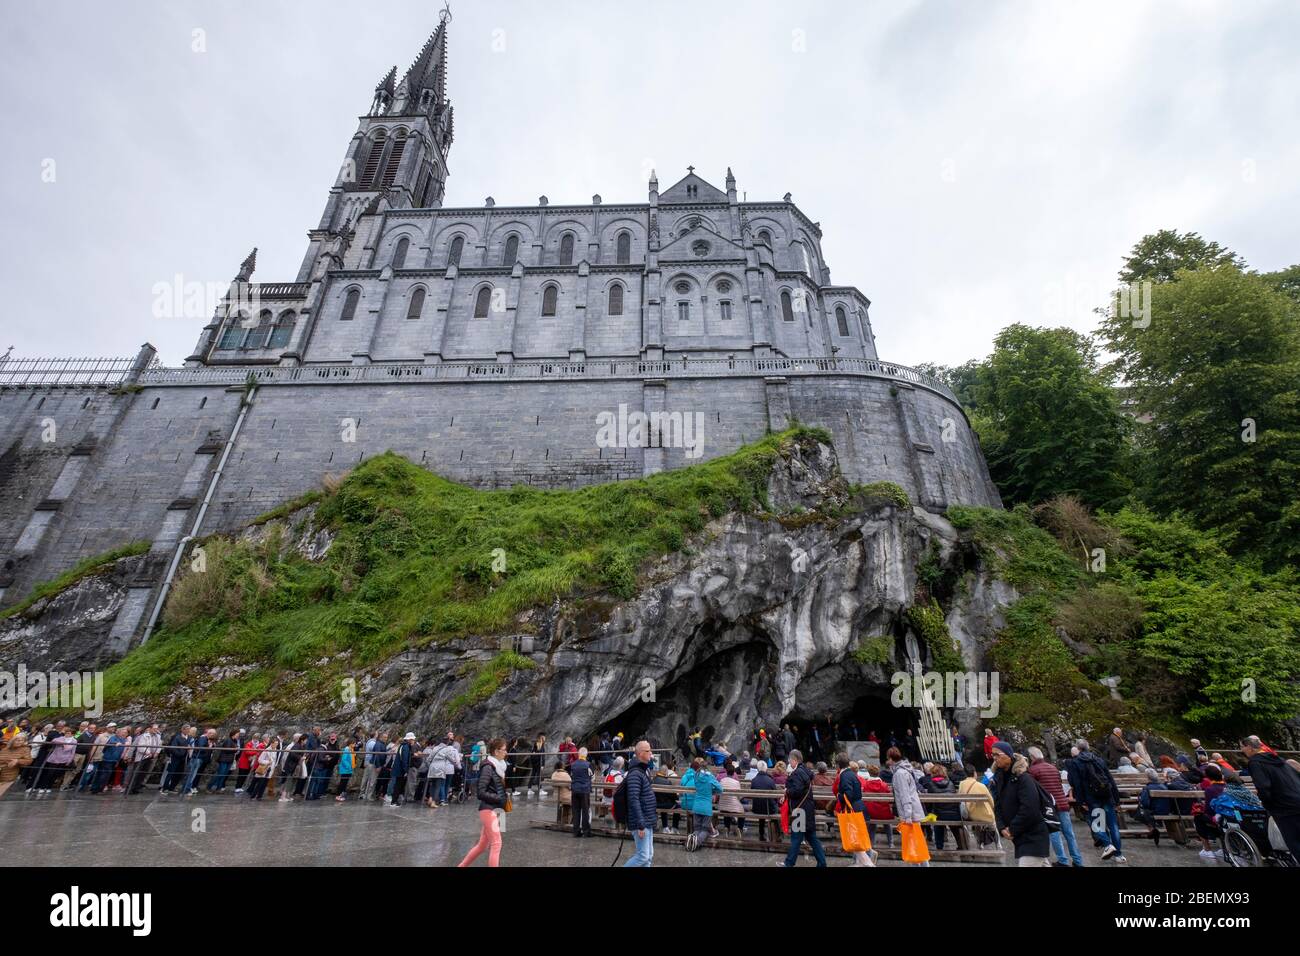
[[841, 320], [566, 249], [725, 308], [371, 169], [457, 247], [624, 247], [483, 302], [549, 296], [399, 254], [233, 335], [615, 300], [350, 305], [283, 330], [765, 236], [259, 335], [512, 251], [394, 158], [416, 305], [787, 308], [683, 311]]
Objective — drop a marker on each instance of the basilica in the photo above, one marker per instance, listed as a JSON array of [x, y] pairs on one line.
[[391, 274]]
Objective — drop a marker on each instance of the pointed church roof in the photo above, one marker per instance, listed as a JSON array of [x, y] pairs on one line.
[[247, 267], [703, 192], [389, 83], [429, 70]]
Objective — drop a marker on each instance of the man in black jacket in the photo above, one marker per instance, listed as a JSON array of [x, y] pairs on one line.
[[803, 812], [175, 752], [1278, 786], [1019, 808], [1095, 791], [225, 753], [641, 805]]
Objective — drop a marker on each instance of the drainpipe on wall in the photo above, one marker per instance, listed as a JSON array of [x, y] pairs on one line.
[[245, 404]]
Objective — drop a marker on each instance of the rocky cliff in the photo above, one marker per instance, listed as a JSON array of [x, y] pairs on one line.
[[794, 611], [799, 612]]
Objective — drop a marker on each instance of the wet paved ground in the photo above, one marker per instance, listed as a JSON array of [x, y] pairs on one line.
[[228, 830]]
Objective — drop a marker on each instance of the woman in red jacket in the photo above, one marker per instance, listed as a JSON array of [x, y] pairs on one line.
[[244, 763]]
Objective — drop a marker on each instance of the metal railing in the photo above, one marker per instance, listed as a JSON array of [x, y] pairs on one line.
[[176, 767], [92, 372], [530, 371]]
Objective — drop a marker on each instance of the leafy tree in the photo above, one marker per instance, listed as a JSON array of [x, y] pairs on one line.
[[1217, 370], [1286, 281], [1159, 256], [962, 379], [1047, 417], [1226, 633]]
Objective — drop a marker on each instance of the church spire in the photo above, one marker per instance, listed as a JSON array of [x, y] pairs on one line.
[[424, 86], [247, 267]]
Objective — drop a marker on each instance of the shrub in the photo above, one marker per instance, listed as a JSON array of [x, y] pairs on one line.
[[928, 621], [878, 649], [1074, 527], [412, 560], [884, 491]]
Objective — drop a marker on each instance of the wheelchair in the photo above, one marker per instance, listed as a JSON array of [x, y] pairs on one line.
[[1250, 838]]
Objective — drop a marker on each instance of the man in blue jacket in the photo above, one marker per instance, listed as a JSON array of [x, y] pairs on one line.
[[200, 754], [108, 758], [641, 806]]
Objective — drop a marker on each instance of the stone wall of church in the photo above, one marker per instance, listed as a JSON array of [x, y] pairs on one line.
[[136, 465], [728, 300]]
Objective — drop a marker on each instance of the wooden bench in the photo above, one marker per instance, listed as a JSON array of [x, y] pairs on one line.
[[965, 849]]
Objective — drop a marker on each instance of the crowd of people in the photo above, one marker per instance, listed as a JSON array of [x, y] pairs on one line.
[[701, 786], [392, 768], [1035, 799]]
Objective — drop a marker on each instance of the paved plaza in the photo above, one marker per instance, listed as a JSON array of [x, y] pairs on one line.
[[229, 830]]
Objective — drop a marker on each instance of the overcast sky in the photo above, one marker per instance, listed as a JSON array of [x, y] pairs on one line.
[[971, 164]]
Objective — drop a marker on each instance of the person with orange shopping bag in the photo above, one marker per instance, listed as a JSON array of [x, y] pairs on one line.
[[907, 799], [849, 814]]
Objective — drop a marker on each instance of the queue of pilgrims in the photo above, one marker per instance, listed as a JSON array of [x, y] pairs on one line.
[[705, 778]]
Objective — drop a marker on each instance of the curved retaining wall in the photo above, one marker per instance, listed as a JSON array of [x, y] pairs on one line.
[[133, 464]]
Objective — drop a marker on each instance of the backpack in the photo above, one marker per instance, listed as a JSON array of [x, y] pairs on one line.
[[1096, 780], [619, 805], [693, 841], [1047, 804]]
